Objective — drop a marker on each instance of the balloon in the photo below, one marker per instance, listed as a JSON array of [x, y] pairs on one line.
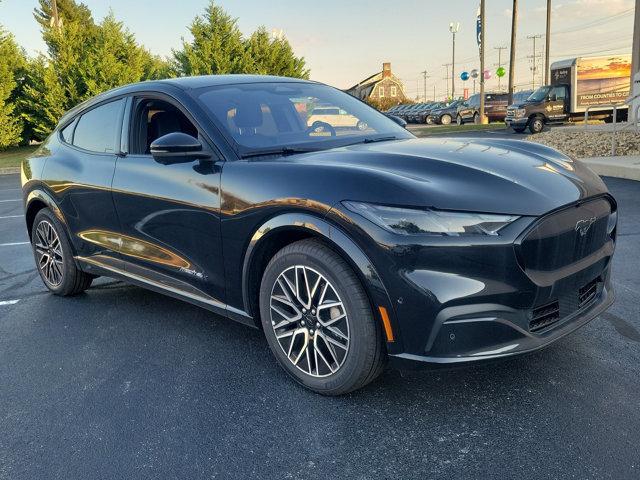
[[500, 72], [464, 76], [474, 73], [487, 74]]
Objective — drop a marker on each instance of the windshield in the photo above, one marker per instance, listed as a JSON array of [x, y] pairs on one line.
[[539, 95], [291, 116]]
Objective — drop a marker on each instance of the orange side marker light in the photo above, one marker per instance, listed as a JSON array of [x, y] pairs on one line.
[[387, 324]]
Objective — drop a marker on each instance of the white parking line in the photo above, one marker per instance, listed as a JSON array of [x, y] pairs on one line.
[[14, 244], [5, 201], [8, 302], [11, 216]]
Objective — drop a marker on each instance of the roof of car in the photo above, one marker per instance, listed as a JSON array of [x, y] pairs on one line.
[[234, 79]]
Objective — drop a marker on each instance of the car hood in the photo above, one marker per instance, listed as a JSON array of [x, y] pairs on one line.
[[492, 175]]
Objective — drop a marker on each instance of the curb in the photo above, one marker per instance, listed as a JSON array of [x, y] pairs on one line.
[[619, 167], [9, 170]]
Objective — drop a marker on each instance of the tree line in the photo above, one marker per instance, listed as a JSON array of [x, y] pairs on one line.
[[85, 57]]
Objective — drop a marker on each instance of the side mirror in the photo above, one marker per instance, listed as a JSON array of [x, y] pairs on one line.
[[398, 120], [552, 98], [177, 147]]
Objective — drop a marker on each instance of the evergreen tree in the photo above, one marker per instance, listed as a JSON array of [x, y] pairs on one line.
[[44, 98], [12, 65], [217, 45]]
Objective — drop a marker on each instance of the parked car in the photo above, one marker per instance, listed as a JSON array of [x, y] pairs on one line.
[[416, 112], [407, 112], [336, 117], [425, 111], [495, 105], [344, 250], [444, 115]]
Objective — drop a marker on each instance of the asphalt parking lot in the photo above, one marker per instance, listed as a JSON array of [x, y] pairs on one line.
[[121, 382]]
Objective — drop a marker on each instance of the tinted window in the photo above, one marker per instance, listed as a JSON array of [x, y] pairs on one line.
[[97, 129]]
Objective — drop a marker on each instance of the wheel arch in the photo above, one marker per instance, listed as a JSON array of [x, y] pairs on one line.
[[36, 200], [285, 229]]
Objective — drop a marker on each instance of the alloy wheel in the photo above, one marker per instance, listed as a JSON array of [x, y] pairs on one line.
[[309, 321], [49, 253]]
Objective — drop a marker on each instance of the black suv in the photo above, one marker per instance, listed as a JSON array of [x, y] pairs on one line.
[[346, 245]]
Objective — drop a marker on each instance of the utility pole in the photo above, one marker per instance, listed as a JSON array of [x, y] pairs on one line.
[[434, 92], [499, 61], [424, 78], [512, 50], [534, 65], [547, 43], [446, 78], [453, 28], [483, 41]]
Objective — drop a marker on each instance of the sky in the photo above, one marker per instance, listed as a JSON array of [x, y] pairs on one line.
[[345, 41]]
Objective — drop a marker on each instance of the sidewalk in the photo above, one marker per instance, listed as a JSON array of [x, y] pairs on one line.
[[622, 167]]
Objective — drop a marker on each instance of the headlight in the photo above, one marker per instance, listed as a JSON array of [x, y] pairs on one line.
[[410, 221]]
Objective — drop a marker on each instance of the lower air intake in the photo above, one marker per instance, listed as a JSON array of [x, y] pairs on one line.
[[544, 316]]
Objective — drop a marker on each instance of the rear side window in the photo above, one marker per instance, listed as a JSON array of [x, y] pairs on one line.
[[67, 132], [97, 129]]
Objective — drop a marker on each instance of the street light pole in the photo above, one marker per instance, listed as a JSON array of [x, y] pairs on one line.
[[512, 50], [453, 28]]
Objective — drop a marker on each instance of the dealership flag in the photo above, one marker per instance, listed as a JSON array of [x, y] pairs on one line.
[[478, 29]]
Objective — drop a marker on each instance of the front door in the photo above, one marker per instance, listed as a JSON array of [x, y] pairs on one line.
[[557, 103], [169, 214]]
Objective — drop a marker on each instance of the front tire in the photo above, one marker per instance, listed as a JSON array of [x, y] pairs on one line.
[[54, 256], [459, 120], [429, 120], [536, 125], [318, 321]]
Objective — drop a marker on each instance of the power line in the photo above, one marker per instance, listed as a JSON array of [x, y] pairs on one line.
[[534, 65]]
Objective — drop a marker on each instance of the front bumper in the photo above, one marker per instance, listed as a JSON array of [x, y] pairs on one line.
[[460, 299], [516, 122]]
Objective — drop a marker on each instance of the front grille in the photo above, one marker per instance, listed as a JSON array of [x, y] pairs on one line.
[[586, 293], [565, 237], [544, 316]]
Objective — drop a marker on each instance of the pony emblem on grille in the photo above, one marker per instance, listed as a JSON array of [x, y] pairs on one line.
[[582, 226]]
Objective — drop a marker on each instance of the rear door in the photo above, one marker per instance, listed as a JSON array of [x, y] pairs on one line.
[[169, 213], [79, 175]]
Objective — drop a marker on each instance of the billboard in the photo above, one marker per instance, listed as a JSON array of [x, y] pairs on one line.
[[603, 80]]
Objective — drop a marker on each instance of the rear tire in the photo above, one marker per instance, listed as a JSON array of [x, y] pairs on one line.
[[429, 120], [295, 324], [476, 118], [446, 119], [459, 120], [54, 256]]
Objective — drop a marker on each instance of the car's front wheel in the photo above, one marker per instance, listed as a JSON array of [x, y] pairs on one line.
[[54, 256], [459, 120], [318, 321]]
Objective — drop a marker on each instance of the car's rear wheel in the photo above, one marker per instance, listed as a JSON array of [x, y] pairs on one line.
[[429, 120], [446, 119], [54, 256], [318, 320], [459, 120], [476, 118], [361, 125]]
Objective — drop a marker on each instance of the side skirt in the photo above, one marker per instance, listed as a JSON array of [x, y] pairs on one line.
[[109, 267]]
